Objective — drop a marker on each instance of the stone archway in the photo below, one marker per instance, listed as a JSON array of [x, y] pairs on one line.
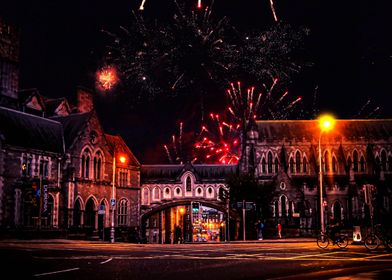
[[160, 223]]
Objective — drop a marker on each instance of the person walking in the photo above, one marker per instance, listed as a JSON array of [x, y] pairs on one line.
[[260, 227], [279, 226]]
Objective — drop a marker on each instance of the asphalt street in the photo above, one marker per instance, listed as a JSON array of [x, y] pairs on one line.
[[274, 259]]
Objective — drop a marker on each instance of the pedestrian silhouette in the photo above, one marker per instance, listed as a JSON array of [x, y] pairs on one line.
[[279, 227]]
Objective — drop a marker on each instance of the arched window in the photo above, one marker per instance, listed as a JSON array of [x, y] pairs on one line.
[[263, 166], [44, 167], [145, 196], [156, 193], [362, 164], [355, 161], [276, 165], [305, 165], [337, 211], [86, 164], [283, 204], [349, 162], [77, 214], [383, 160], [297, 162], [90, 213], [269, 160], [166, 192], [188, 183], [98, 165], [122, 216], [334, 166], [326, 162], [291, 165]]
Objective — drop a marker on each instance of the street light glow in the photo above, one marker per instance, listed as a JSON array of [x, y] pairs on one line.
[[122, 159], [327, 122]]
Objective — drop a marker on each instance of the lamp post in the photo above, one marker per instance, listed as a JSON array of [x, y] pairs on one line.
[[326, 123], [113, 200]]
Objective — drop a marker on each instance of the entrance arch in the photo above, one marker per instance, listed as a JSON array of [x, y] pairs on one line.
[[186, 220], [337, 211]]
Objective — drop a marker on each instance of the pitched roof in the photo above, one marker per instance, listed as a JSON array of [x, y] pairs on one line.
[[73, 126], [29, 131], [117, 143], [52, 104], [173, 172], [374, 129]]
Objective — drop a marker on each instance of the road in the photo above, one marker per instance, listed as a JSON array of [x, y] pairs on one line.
[[277, 259]]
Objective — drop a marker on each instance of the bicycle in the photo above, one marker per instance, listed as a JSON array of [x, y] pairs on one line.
[[377, 236], [324, 239]]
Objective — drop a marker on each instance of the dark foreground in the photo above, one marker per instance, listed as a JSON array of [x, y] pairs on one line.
[[275, 259]]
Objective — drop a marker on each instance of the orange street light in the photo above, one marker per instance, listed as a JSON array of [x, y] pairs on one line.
[[123, 159], [326, 123], [113, 202]]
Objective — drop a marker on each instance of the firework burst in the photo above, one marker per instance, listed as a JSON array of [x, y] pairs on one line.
[[250, 104], [218, 141], [194, 53], [106, 78]]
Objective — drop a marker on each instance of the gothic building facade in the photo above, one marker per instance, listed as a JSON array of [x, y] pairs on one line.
[[356, 170]]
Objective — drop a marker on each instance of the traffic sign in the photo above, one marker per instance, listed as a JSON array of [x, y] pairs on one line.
[[113, 202], [248, 205]]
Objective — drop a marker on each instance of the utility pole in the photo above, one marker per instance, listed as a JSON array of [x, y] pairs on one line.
[[243, 218]]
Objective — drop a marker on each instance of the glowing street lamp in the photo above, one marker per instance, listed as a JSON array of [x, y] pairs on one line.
[[326, 123], [122, 159]]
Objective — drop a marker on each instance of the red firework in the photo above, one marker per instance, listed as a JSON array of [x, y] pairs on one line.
[[218, 141]]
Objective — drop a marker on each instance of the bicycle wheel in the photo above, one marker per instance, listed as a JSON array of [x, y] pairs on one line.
[[322, 241], [388, 243], [342, 241], [372, 242]]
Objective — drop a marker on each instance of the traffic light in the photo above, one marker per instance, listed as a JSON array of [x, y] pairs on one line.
[[195, 207]]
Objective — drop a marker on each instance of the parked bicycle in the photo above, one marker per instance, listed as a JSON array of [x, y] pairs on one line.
[[377, 236], [325, 238]]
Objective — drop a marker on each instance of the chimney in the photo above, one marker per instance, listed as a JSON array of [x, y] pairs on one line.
[[84, 100]]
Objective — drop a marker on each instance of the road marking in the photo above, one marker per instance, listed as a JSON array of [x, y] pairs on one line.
[[108, 260], [377, 256], [55, 272]]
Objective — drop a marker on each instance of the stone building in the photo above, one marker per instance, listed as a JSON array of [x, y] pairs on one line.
[[356, 156], [57, 168], [184, 197]]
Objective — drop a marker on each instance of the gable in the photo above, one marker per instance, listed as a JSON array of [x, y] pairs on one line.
[[34, 104], [62, 110]]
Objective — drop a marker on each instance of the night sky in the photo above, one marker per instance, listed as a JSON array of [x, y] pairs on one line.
[[350, 46]]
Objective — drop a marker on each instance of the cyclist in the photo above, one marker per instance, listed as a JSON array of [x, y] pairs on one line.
[[334, 230]]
